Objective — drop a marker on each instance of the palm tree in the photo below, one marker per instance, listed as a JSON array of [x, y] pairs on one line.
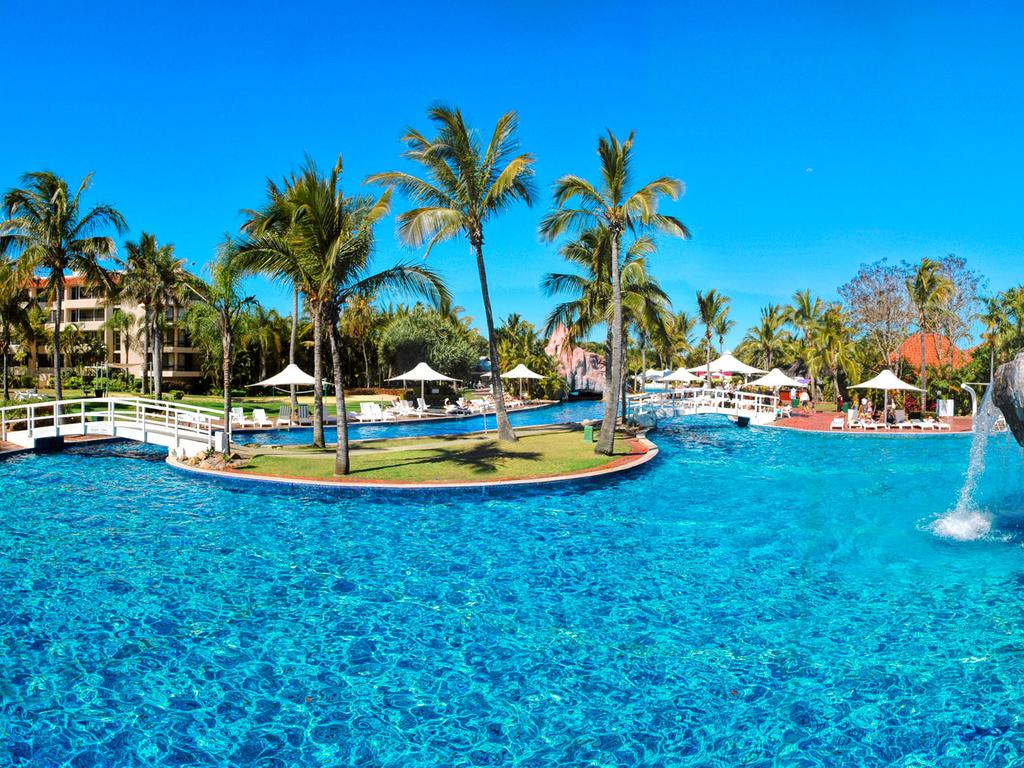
[[994, 317], [680, 337], [767, 340], [833, 347], [612, 206], [330, 245], [151, 277], [222, 299], [710, 307], [47, 226], [929, 289], [722, 327], [359, 320], [123, 324], [804, 314], [263, 334], [642, 299], [14, 308], [276, 218], [466, 184]]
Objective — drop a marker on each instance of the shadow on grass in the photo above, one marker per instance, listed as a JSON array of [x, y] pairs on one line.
[[481, 458]]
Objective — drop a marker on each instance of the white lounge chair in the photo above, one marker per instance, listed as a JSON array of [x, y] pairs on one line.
[[238, 418], [421, 405], [403, 409], [837, 423], [284, 416], [259, 418], [368, 412], [901, 422]]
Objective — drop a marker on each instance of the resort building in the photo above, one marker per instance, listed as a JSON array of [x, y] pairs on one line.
[[938, 351], [90, 314]]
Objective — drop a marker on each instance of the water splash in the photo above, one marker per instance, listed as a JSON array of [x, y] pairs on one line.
[[966, 521]]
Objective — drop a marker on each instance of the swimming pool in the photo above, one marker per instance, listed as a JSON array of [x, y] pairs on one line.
[[754, 597], [576, 410]]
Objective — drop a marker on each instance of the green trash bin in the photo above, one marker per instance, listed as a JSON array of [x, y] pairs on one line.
[[588, 434]]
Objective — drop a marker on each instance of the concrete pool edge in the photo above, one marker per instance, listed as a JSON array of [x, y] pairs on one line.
[[618, 465]]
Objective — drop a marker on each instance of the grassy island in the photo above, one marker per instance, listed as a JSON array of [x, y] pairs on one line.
[[539, 452]]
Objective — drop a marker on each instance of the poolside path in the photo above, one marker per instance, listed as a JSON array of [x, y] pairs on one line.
[[819, 422]]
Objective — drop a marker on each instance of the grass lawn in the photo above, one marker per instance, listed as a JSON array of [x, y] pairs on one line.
[[548, 451]]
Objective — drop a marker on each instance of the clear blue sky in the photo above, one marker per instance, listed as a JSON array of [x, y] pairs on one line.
[[811, 137]]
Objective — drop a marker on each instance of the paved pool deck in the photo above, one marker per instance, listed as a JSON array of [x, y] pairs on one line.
[[807, 421]]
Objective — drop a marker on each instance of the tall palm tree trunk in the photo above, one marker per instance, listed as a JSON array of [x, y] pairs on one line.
[[622, 383], [58, 385], [924, 371], [991, 361], [707, 367], [366, 363], [606, 441], [225, 342], [293, 344], [318, 378], [607, 391], [505, 433], [158, 357], [7, 385], [341, 464], [147, 343]]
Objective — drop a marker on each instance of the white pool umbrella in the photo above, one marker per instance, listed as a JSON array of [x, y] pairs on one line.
[[422, 373], [521, 372], [291, 376], [679, 376], [775, 379], [727, 363], [886, 380]]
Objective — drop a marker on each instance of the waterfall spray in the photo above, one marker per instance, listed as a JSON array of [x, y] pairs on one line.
[[966, 521]]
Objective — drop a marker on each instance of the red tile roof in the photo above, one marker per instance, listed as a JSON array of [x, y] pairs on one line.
[[938, 351]]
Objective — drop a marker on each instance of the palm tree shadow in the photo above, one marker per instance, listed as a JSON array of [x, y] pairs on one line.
[[479, 459]]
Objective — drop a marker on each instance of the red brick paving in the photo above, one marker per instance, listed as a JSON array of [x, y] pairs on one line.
[[819, 422]]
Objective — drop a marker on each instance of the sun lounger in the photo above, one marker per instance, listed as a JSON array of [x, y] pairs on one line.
[[327, 418], [370, 412], [284, 416], [302, 416], [259, 418], [238, 418], [403, 409], [873, 425], [838, 423], [421, 405]]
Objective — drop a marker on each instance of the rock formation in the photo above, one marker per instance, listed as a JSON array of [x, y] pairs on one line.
[[1008, 394], [582, 370]]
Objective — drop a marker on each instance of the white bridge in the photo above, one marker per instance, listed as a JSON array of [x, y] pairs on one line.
[[746, 407], [183, 429]]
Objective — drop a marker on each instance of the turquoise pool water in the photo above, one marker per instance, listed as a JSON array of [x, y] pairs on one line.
[[751, 597]]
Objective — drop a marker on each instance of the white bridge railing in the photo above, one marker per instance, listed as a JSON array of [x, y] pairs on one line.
[[650, 406], [177, 426]]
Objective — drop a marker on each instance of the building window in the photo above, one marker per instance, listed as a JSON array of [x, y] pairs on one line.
[[80, 292], [88, 315], [185, 361]]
